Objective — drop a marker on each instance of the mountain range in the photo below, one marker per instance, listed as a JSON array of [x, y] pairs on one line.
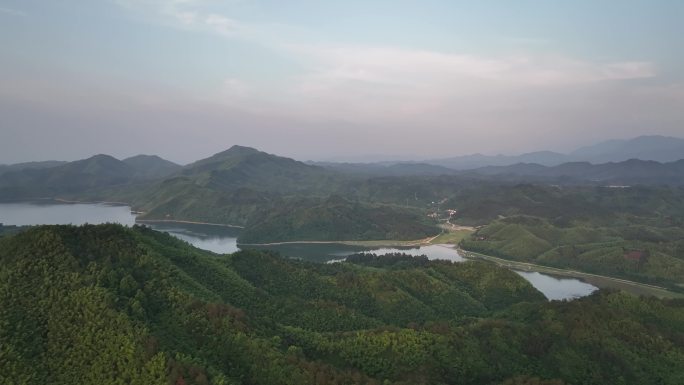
[[50, 179], [629, 172], [250, 177], [281, 199], [657, 148]]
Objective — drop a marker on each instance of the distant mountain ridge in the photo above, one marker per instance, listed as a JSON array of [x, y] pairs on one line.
[[658, 148], [387, 169], [151, 166], [466, 162], [30, 165], [245, 167], [632, 171], [53, 179], [654, 147], [281, 199]]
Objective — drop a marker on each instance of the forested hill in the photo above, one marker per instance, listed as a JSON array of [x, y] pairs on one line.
[[76, 179], [151, 166], [245, 167], [336, 219], [633, 233], [628, 172], [279, 199], [110, 305]]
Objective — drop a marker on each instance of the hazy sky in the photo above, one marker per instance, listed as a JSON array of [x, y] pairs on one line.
[[323, 79]]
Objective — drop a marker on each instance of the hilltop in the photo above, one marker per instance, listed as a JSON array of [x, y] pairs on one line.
[[629, 172], [276, 199], [77, 178], [280, 199], [151, 166], [245, 167], [336, 219]]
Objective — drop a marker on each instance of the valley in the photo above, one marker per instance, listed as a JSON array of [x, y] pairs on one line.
[[205, 192], [278, 201], [337, 275]]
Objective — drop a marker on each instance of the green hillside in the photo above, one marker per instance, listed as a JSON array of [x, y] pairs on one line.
[[181, 199], [481, 203], [110, 305], [99, 174], [74, 177], [334, 219], [29, 165], [245, 167], [634, 233], [151, 166], [278, 199]]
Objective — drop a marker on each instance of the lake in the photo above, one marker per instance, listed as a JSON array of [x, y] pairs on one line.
[[557, 288], [51, 213], [324, 252], [220, 239]]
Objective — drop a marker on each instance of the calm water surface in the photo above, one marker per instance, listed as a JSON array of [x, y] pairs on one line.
[[558, 288], [24, 214], [324, 252], [221, 239]]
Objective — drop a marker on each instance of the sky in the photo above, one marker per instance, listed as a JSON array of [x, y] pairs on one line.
[[352, 80]]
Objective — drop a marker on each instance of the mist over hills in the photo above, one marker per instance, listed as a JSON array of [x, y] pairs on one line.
[[151, 166], [72, 177], [29, 165], [50, 179], [633, 171], [245, 168], [278, 199], [657, 148], [647, 148], [387, 168], [467, 162]]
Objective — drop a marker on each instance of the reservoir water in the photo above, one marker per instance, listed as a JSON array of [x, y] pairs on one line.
[[50, 213], [220, 239], [557, 288]]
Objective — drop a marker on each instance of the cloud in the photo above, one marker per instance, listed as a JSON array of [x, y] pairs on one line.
[[224, 26], [397, 66], [379, 85], [407, 96], [13, 12], [195, 15]]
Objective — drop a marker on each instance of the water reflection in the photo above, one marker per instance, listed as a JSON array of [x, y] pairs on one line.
[[324, 252], [444, 252], [558, 288], [219, 239]]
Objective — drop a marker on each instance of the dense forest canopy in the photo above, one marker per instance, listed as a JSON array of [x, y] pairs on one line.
[[107, 304]]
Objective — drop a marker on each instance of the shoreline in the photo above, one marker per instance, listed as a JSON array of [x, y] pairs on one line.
[[64, 201], [186, 222], [369, 243], [137, 213], [600, 281]]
